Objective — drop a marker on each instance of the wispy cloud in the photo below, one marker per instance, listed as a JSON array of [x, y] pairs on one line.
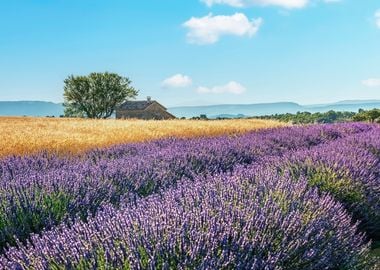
[[332, 1], [233, 3], [373, 82], [209, 29], [288, 4], [377, 18], [231, 88], [245, 3], [177, 81]]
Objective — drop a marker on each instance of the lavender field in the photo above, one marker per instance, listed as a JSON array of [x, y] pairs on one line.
[[283, 198]]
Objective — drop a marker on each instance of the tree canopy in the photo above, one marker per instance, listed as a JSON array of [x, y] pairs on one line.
[[370, 116], [96, 95]]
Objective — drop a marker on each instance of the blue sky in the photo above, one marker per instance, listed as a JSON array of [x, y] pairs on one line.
[[193, 52]]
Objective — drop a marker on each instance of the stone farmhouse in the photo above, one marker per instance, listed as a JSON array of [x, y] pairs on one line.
[[147, 109]]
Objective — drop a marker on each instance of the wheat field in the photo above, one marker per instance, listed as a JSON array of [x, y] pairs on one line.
[[28, 135]]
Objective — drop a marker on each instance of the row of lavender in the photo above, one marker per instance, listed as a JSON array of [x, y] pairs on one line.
[[348, 169], [40, 192], [349, 173], [253, 219]]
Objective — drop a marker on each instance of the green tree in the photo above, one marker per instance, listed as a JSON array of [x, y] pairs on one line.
[[373, 115], [370, 116], [360, 117], [96, 95]]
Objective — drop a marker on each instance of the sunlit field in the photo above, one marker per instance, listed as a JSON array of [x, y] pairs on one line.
[[299, 197], [24, 135]]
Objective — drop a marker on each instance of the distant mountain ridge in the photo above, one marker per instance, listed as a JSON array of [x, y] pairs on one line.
[[260, 109], [30, 108], [42, 108]]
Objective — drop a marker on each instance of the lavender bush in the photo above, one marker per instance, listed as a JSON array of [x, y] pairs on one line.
[[349, 169], [42, 191], [252, 219]]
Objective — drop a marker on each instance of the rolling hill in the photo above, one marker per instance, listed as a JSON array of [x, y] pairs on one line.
[[42, 108], [30, 108], [260, 109]]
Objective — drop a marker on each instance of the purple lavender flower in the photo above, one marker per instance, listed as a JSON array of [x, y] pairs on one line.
[[252, 219]]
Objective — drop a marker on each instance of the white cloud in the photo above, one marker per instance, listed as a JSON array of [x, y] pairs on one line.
[[245, 3], [231, 88], [377, 18], [289, 4], [373, 82], [209, 29], [177, 81]]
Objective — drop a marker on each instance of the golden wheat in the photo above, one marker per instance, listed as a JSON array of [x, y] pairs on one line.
[[24, 135]]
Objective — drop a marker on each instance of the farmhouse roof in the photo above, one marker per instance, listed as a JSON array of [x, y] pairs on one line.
[[138, 105]]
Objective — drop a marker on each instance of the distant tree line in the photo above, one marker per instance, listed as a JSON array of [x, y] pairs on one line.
[[327, 117], [369, 116]]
